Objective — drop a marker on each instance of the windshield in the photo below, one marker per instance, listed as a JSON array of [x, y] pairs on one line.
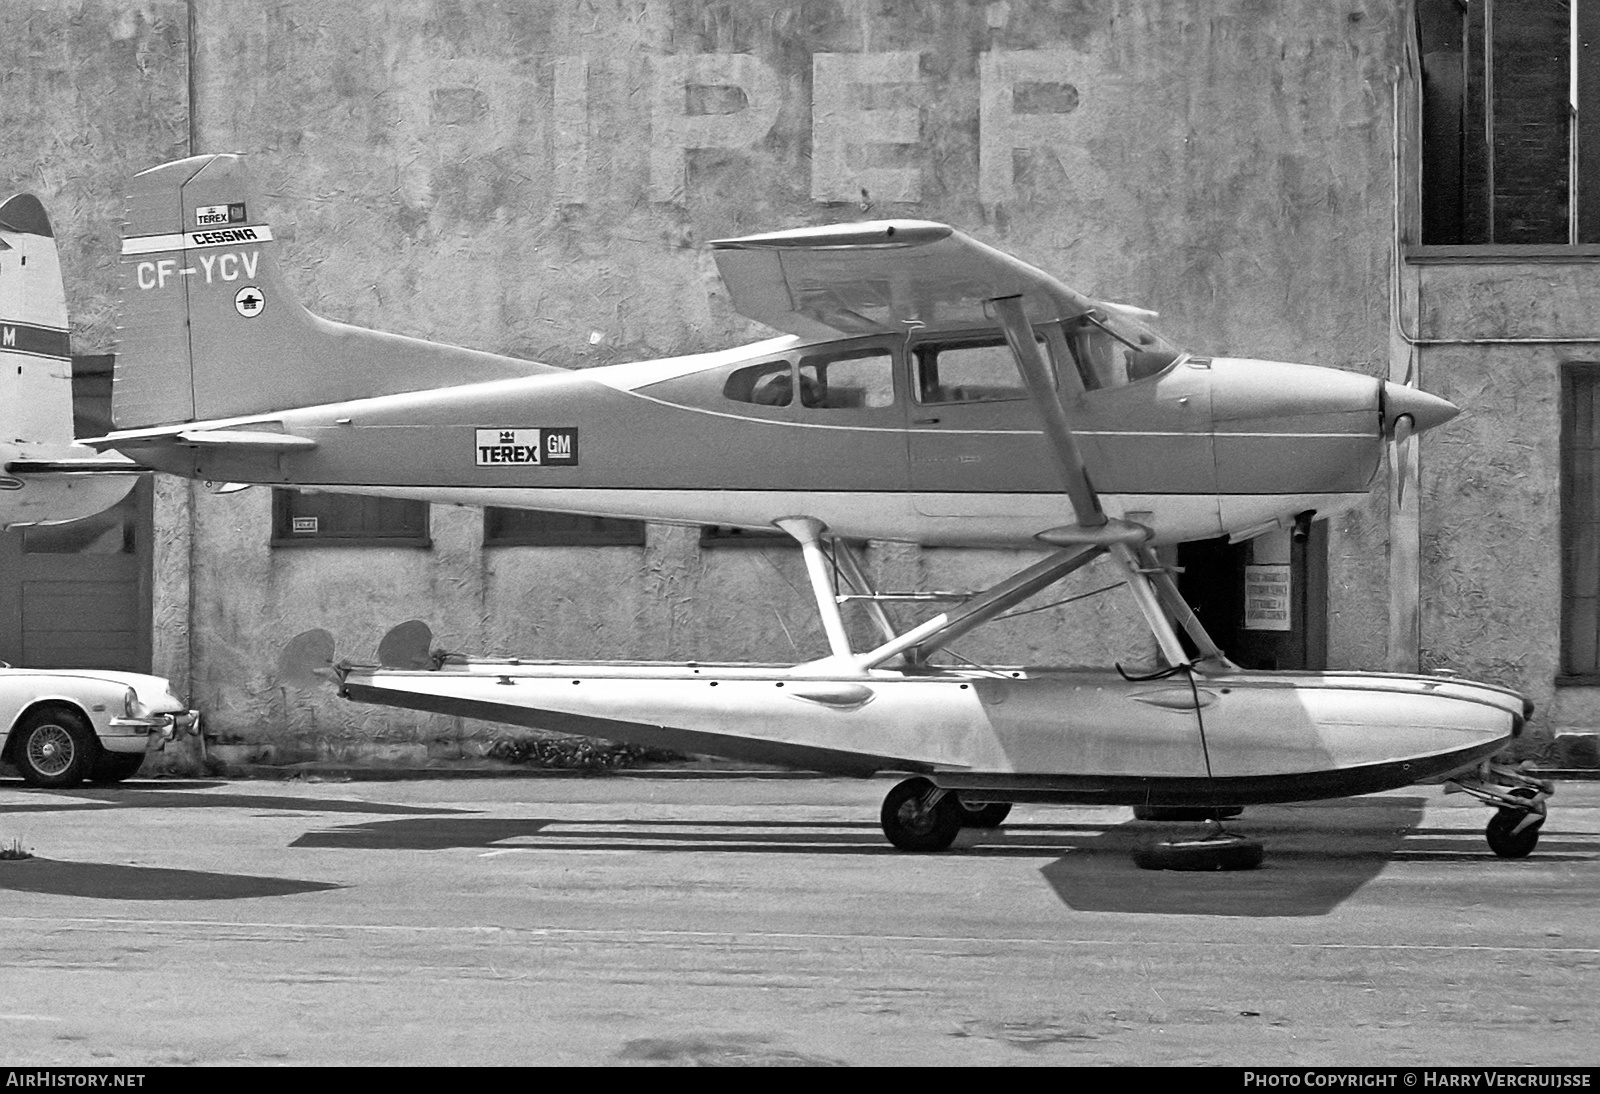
[[1111, 348]]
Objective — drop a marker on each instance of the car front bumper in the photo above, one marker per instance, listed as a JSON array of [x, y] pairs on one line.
[[152, 731]]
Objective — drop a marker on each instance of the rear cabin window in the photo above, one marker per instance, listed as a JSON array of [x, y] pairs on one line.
[[863, 379], [769, 384]]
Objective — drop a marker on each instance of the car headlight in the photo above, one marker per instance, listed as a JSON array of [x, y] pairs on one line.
[[130, 704]]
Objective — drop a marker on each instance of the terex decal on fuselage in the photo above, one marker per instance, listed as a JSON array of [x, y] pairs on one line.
[[542, 447]]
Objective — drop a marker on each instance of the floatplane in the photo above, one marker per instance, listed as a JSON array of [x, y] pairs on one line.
[[926, 388]]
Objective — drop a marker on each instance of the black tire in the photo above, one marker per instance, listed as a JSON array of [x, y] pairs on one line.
[[1506, 843], [984, 814], [1218, 853], [54, 747], [1185, 812], [113, 767], [911, 825]]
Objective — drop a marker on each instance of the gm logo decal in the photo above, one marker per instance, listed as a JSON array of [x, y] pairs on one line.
[[542, 447]]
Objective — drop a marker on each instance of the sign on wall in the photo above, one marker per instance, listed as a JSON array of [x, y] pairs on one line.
[[1266, 598]]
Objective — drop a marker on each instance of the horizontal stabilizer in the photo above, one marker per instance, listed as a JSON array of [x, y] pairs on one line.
[[240, 440], [245, 439], [89, 465]]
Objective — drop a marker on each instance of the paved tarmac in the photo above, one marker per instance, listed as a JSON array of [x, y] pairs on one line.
[[636, 920]]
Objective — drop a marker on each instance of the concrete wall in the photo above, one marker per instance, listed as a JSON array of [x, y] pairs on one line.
[[1491, 552], [542, 178]]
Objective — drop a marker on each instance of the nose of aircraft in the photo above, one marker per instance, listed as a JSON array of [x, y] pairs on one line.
[[1424, 410]]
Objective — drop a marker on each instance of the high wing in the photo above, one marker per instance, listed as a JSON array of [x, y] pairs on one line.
[[877, 277]]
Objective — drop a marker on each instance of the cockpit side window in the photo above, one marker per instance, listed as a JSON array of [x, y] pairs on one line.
[[768, 384], [860, 379], [971, 371]]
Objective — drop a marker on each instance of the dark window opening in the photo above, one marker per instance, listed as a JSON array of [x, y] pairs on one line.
[[1580, 523], [347, 520], [535, 528], [1510, 121]]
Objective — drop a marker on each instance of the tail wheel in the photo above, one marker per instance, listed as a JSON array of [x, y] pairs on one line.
[[984, 814], [54, 747], [918, 817]]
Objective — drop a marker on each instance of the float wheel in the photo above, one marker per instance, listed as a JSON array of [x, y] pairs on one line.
[[916, 817]]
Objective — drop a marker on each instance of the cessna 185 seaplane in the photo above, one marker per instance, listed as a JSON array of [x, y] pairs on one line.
[[928, 389], [45, 478]]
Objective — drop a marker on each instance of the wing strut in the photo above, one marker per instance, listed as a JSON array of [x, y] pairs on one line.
[[808, 531], [1042, 386], [1151, 585]]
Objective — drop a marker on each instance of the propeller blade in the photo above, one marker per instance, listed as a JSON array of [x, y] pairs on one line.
[[1400, 459]]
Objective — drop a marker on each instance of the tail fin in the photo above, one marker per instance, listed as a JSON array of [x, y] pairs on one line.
[[35, 353], [209, 328]]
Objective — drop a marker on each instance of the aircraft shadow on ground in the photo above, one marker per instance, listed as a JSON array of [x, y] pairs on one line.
[[740, 837], [110, 881], [439, 833], [1316, 858], [165, 796]]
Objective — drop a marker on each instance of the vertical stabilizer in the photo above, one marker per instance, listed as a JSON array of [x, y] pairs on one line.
[[209, 328], [45, 478], [35, 352]]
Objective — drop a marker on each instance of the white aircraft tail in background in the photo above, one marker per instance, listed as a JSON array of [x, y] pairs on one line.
[[45, 477]]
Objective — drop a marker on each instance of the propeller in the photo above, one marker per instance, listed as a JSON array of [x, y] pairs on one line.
[[1406, 412]]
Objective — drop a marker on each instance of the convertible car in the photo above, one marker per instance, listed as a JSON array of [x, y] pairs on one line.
[[63, 726]]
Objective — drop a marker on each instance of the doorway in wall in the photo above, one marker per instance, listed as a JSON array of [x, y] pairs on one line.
[[1265, 602]]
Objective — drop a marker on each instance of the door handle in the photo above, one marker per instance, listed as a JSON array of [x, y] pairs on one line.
[[925, 421]]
